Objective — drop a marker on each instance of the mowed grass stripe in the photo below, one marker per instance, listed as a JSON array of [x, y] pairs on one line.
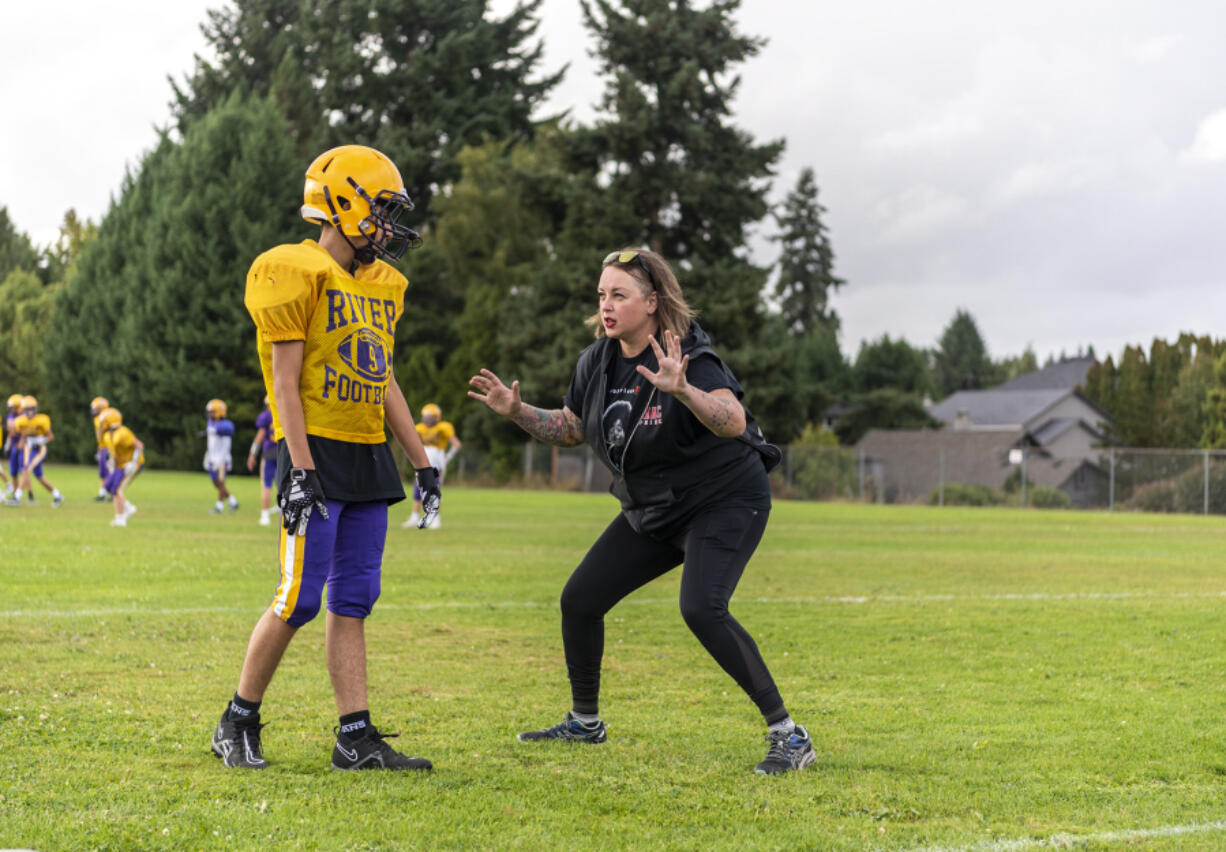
[[971, 677]]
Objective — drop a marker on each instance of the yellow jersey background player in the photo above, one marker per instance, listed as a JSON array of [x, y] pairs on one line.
[[34, 433], [439, 438], [126, 457], [12, 445], [96, 407], [326, 314]]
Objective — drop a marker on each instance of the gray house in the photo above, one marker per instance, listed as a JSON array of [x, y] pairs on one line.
[[1042, 412]]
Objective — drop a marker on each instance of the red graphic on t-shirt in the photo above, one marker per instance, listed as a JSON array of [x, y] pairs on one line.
[[653, 416]]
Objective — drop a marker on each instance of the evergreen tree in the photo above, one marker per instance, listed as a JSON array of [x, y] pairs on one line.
[[74, 234], [961, 359], [505, 252], [806, 260], [153, 318], [16, 250], [1213, 430], [418, 79], [26, 309], [687, 182], [1184, 416], [885, 408], [1008, 369], [887, 363], [1133, 411], [1100, 385]]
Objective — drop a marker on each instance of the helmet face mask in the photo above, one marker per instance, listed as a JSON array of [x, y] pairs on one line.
[[98, 405], [15, 402], [338, 192], [215, 409], [29, 405]]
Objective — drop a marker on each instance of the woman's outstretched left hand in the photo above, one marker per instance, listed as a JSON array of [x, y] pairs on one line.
[[670, 378]]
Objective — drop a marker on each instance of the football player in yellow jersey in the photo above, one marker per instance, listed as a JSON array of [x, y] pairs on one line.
[[12, 445], [96, 407], [325, 314], [439, 438], [35, 433], [126, 455]]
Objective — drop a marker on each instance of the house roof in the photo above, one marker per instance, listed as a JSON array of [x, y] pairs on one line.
[[1057, 426], [997, 407], [1064, 375]]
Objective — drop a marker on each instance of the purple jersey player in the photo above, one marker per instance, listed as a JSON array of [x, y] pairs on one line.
[[264, 448]]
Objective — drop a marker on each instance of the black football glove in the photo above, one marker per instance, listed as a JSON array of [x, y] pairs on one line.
[[431, 495], [302, 494]]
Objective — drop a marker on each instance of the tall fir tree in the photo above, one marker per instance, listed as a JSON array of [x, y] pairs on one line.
[[806, 260], [1134, 408], [16, 249], [687, 181], [153, 319], [1213, 409], [886, 363], [961, 361], [418, 79]]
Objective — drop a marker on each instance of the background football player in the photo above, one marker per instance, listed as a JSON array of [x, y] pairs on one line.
[[326, 316], [96, 407], [12, 445], [264, 448], [439, 438], [217, 460], [35, 433], [126, 455]]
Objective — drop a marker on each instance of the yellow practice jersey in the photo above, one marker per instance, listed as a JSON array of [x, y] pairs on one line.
[[439, 435], [348, 323], [121, 444], [98, 432], [35, 429]]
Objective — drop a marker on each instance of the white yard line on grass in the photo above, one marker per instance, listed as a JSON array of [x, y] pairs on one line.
[[509, 604], [1069, 841]]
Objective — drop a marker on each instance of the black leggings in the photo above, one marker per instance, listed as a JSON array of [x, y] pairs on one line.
[[715, 548]]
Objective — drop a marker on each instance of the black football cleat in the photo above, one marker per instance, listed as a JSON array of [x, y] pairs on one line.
[[238, 745], [371, 752]]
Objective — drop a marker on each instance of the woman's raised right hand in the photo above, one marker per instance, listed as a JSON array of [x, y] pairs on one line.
[[490, 390]]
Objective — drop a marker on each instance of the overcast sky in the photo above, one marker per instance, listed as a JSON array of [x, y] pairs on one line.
[[1056, 167]]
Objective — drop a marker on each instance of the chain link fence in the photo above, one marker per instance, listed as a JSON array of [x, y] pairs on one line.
[[1190, 481]]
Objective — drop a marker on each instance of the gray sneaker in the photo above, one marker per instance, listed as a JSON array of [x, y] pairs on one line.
[[569, 730], [789, 751]]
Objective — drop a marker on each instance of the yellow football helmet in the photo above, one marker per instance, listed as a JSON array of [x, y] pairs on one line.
[[29, 404], [215, 408], [15, 402], [98, 405], [110, 418], [359, 191], [431, 410]]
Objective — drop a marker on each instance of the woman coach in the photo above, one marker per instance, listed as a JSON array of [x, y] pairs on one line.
[[689, 468]]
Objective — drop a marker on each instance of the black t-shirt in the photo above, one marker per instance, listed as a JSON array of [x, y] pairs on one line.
[[652, 439], [352, 473], [624, 403]]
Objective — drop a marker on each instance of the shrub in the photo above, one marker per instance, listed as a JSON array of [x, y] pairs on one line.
[[963, 494], [1049, 498]]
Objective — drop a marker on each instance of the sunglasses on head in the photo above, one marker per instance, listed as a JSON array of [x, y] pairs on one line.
[[624, 257]]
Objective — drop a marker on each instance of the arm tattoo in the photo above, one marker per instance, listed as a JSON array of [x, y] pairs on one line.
[[717, 412], [557, 426]]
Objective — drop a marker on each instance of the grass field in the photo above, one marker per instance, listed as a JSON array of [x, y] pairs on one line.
[[974, 679]]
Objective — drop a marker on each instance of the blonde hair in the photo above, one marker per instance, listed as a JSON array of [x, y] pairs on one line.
[[672, 310]]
